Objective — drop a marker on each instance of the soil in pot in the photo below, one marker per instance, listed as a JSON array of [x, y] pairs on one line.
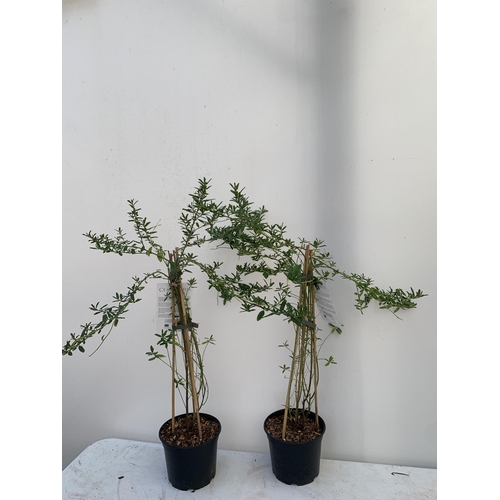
[[186, 431], [191, 463], [296, 460], [297, 430]]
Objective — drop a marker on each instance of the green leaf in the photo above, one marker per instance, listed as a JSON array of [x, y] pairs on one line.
[[260, 315], [330, 361]]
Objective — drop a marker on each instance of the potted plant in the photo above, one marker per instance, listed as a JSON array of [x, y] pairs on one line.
[[190, 438], [282, 277]]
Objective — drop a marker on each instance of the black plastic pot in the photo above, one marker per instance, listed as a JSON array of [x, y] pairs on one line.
[[191, 467], [295, 463]]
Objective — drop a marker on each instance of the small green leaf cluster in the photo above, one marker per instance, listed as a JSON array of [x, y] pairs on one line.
[[199, 213], [392, 299], [109, 316], [269, 280]]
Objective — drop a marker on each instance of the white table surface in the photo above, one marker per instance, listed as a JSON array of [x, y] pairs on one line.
[[97, 474]]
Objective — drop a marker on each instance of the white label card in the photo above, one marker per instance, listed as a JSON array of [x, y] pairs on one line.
[[326, 307], [163, 312]]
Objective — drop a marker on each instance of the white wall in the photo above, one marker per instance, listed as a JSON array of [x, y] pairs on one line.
[[325, 111]]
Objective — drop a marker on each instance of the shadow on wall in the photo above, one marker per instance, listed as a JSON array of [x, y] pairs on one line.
[[278, 56], [334, 81], [79, 3]]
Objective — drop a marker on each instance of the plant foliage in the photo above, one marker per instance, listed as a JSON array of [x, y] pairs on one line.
[[188, 375], [275, 276], [279, 277]]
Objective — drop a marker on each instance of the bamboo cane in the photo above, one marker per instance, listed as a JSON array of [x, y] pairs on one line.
[[314, 358], [303, 301], [174, 323], [187, 348], [292, 368]]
